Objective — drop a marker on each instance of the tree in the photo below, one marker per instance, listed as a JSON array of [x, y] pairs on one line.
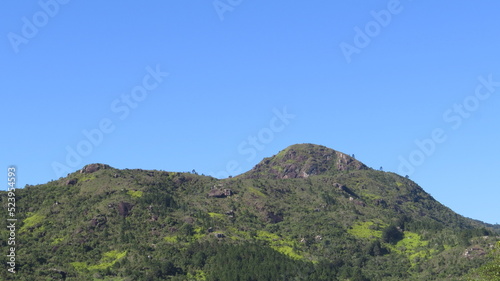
[[376, 249], [392, 234]]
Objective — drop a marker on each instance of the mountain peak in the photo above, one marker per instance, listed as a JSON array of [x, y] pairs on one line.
[[303, 160]]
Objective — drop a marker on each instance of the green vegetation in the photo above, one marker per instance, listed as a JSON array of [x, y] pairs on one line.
[[199, 275], [412, 246], [282, 245], [85, 177], [108, 260], [392, 234], [365, 230], [171, 239], [136, 193], [216, 215], [490, 271], [57, 241], [309, 213], [255, 191], [31, 221]]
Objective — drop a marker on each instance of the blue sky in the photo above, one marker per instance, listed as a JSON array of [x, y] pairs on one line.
[[215, 86]]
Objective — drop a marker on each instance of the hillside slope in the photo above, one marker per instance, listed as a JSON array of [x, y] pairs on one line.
[[307, 213]]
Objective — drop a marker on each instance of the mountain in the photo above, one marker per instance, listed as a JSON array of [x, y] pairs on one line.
[[307, 213], [302, 161]]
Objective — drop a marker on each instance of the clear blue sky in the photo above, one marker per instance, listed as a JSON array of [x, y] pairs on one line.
[[249, 78]]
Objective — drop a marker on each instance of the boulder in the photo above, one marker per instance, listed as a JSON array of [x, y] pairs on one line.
[[71, 182], [98, 221], [220, 193], [219, 235], [274, 218], [124, 208], [91, 168]]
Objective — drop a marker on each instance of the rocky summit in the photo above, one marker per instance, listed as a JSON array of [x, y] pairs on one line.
[[302, 161]]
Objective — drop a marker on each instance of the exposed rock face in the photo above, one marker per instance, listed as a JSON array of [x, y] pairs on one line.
[[56, 271], [474, 252], [124, 208], [359, 203], [340, 186], [274, 218], [91, 168], [303, 160], [99, 220], [220, 193], [345, 162], [219, 235], [71, 182]]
